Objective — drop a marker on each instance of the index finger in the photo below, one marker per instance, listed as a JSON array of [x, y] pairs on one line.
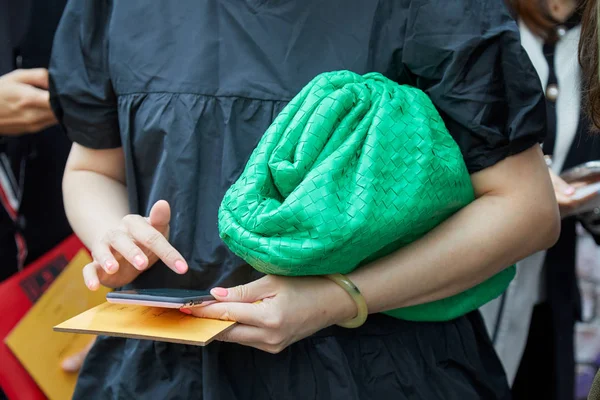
[[155, 242]]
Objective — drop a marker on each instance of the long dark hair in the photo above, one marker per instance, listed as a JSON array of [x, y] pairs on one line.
[[588, 58]]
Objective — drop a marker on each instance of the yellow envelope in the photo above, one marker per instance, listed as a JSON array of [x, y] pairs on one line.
[[140, 322], [41, 350]]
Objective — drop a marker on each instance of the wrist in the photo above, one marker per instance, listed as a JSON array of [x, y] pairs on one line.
[[338, 302]]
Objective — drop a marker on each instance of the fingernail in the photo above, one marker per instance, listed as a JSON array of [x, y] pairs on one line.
[[220, 292], [570, 190], [139, 261], [180, 266], [110, 265], [185, 311]]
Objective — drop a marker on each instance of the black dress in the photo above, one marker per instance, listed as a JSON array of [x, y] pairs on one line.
[[187, 88]]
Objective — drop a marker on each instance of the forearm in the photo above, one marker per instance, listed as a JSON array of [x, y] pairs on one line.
[[476, 243], [95, 200], [94, 204], [493, 232]]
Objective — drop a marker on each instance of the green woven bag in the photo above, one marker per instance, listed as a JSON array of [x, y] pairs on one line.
[[352, 169]]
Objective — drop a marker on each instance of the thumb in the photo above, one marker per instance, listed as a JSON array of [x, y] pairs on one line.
[[160, 215], [248, 293]]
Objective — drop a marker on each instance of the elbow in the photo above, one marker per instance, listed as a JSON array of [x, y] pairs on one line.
[[67, 186], [67, 193], [547, 225]]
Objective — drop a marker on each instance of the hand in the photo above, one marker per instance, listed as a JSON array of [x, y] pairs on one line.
[[25, 102], [135, 245], [274, 312], [564, 192], [74, 362]]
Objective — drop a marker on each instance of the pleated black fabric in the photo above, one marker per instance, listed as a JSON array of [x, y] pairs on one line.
[[385, 359]]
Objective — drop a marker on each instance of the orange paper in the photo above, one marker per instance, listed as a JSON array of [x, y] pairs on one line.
[[140, 322], [41, 350]]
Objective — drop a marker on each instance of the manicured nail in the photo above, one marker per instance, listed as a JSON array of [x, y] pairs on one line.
[[570, 190], [220, 292], [139, 261], [180, 266], [110, 265], [185, 311]]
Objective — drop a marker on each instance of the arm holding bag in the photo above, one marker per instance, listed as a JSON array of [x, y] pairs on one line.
[[353, 168]]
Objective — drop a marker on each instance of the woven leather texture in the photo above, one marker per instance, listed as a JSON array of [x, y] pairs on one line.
[[352, 169]]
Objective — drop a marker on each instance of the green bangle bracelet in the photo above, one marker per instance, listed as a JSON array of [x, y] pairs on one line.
[[361, 304]]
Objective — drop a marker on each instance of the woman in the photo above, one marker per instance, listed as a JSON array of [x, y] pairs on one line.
[[550, 32], [186, 89]]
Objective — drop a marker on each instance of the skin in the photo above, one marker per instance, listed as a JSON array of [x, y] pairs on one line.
[[564, 194], [25, 102], [73, 363], [509, 220], [561, 10]]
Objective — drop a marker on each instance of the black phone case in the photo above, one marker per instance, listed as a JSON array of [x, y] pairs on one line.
[[184, 296]]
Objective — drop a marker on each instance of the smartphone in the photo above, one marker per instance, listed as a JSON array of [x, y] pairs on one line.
[[164, 298], [586, 191], [589, 171]]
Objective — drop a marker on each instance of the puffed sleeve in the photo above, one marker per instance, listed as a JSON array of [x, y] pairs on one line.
[[466, 55], [81, 92]]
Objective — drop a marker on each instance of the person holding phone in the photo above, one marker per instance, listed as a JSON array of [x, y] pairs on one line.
[[165, 102], [539, 356]]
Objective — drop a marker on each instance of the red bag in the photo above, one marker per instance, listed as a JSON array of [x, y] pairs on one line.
[[17, 294]]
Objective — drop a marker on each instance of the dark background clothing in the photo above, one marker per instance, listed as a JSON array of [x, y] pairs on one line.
[[26, 34], [37, 161], [547, 369], [187, 89]]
